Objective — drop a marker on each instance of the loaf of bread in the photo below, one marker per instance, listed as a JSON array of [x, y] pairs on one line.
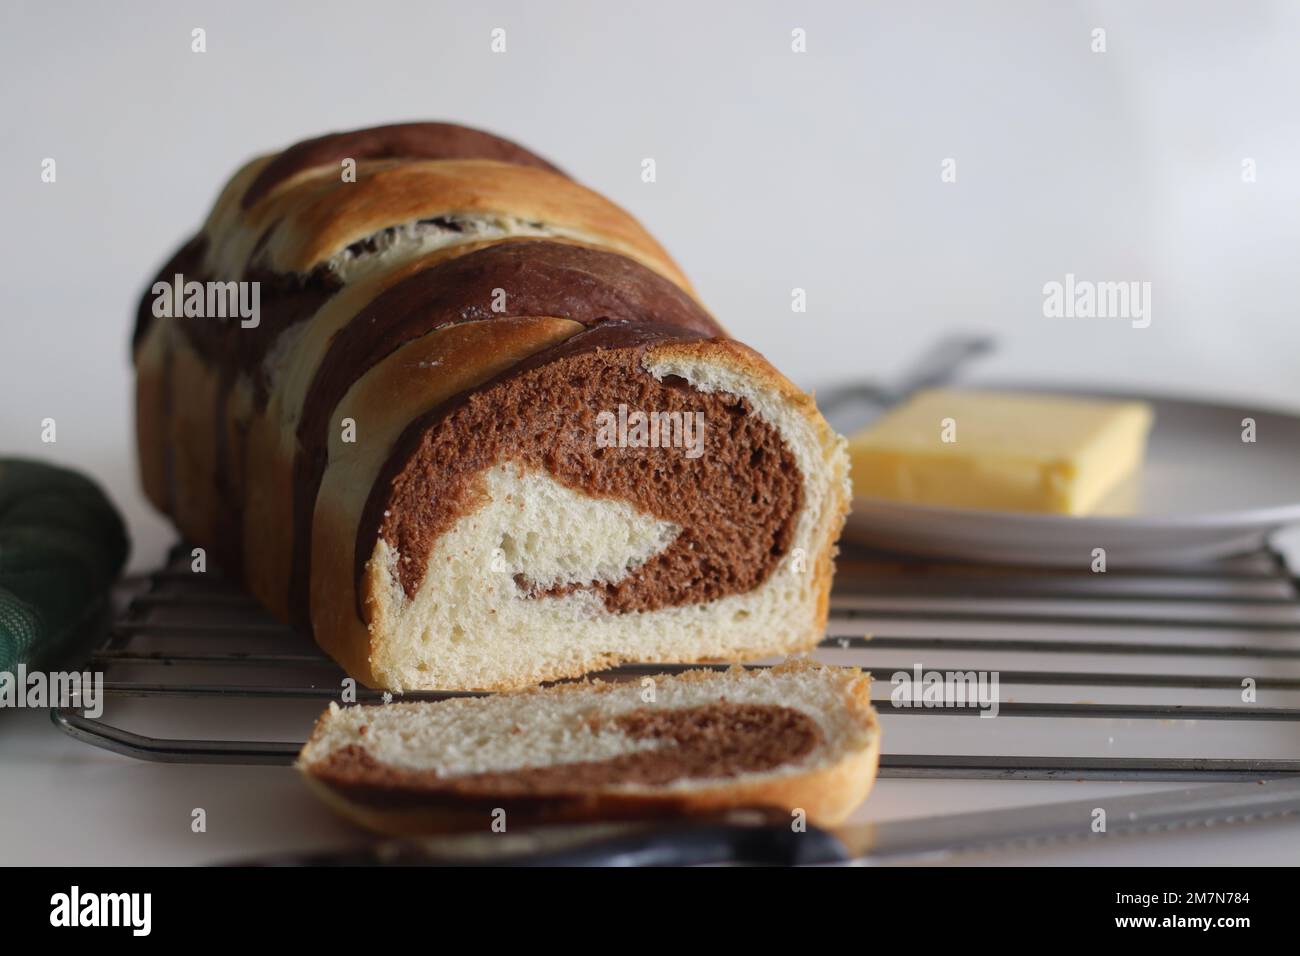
[[479, 432], [798, 736]]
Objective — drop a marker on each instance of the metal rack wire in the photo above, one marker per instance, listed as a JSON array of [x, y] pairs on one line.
[[1129, 675]]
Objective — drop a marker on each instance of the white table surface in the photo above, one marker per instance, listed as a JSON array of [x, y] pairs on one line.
[[69, 804]]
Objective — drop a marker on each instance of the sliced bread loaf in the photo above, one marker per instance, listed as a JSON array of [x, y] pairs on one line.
[[799, 736], [467, 423]]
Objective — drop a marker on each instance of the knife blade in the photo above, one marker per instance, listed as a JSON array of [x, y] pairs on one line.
[[765, 837], [1094, 819]]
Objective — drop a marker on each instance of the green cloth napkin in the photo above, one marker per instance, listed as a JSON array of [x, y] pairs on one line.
[[62, 544]]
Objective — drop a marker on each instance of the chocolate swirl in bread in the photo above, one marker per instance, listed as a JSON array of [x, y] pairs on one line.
[[405, 454]]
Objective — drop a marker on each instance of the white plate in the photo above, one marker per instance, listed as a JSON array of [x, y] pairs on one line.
[[1204, 493]]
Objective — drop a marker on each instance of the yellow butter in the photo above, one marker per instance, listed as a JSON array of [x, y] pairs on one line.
[[1000, 450]]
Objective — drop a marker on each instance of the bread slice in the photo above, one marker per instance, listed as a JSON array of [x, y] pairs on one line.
[[798, 736]]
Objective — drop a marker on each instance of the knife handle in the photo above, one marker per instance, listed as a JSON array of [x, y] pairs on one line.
[[696, 844]]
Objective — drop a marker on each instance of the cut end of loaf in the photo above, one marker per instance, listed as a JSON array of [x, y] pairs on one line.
[[800, 736], [565, 558]]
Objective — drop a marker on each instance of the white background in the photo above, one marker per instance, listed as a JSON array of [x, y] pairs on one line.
[[775, 170]]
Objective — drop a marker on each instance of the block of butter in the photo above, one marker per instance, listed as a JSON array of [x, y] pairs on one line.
[[1004, 451]]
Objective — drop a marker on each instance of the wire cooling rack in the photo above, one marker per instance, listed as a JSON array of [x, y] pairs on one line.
[[1155, 673]]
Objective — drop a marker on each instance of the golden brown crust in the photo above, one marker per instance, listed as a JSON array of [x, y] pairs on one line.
[[302, 226], [331, 219], [196, 504]]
